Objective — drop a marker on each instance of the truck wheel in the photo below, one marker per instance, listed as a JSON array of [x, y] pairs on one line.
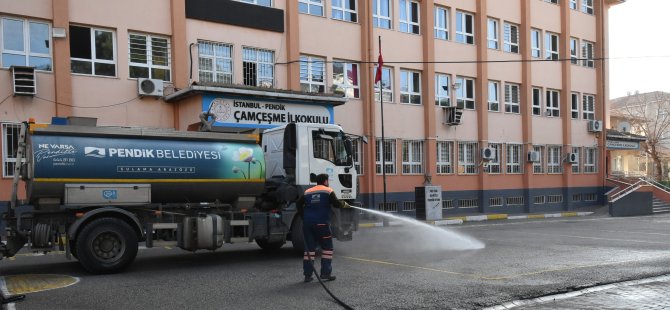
[[106, 245], [269, 246], [297, 237]]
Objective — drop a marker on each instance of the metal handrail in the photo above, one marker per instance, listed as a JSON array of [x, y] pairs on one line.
[[628, 190], [656, 184]]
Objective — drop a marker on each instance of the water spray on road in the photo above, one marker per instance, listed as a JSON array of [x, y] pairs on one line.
[[432, 237]]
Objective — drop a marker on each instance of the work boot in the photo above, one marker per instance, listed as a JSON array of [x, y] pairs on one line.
[[327, 278], [308, 279]]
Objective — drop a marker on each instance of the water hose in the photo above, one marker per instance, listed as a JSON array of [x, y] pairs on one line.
[[318, 277]]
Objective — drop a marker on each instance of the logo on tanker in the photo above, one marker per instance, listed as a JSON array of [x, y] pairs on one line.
[[52, 150], [97, 152]]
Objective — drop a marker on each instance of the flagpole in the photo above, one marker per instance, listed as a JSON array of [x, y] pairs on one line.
[[381, 101]]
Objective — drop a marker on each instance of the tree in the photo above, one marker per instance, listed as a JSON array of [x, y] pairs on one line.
[[649, 115]]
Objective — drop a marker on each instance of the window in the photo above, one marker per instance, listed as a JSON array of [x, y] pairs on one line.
[[381, 13], [467, 157], [149, 56], [26, 43], [552, 1], [493, 34], [386, 83], [312, 74], [554, 159], [10, 146], [442, 94], [494, 164], [410, 87], [535, 43], [590, 160], [389, 156], [574, 105], [551, 46], [514, 157], [267, 3], [512, 98], [215, 62], [587, 6], [465, 94], [412, 157], [441, 23], [588, 107], [258, 67], [537, 101], [494, 96], [409, 16], [573, 4], [575, 167], [465, 28], [345, 79], [92, 51], [331, 149], [511, 38], [552, 104], [574, 43], [312, 7], [345, 10], [357, 148], [587, 54], [538, 166], [445, 157]]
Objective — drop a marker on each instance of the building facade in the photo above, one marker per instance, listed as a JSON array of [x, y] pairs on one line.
[[521, 80]]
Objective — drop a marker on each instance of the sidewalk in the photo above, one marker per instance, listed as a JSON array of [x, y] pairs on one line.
[[651, 293]]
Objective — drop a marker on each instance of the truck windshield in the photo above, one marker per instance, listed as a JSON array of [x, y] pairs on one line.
[[329, 145]]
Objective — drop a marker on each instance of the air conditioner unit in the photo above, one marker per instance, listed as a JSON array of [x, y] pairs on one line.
[[595, 126], [150, 87], [488, 153], [534, 156], [573, 158], [23, 81], [452, 115]]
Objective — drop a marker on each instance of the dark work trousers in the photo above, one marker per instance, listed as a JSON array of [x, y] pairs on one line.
[[318, 234]]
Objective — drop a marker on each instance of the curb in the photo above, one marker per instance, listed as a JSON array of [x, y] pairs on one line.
[[457, 220]]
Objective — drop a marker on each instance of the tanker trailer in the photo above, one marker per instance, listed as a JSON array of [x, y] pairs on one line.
[[96, 192]]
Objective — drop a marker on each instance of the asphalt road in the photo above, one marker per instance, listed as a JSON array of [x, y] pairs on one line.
[[383, 268]]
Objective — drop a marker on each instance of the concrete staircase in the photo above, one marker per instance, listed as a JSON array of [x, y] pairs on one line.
[[661, 206]]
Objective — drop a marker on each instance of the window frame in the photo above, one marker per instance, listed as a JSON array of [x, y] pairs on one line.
[[588, 107], [377, 18], [94, 60], [492, 36], [553, 103], [590, 160], [494, 90], [536, 101], [587, 7], [514, 158], [574, 47], [310, 5], [510, 46], [468, 150], [259, 64], [412, 157], [387, 72], [346, 85], [538, 166], [409, 25], [495, 165], [446, 162], [536, 43], [353, 13], [588, 50], [437, 24], [551, 46], [442, 95], [257, 2], [307, 64], [554, 159], [214, 58], [148, 39], [410, 93], [573, 5], [462, 93], [463, 36], [7, 160], [578, 150], [26, 36], [574, 105], [392, 156], [512, 106]]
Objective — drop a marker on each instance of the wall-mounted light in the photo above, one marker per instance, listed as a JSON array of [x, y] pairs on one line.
[[57, 32]]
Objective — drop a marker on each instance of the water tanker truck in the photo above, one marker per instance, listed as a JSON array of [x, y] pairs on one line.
[[97, 192]]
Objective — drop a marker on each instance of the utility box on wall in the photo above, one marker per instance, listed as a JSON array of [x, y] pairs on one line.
[[428, 203]]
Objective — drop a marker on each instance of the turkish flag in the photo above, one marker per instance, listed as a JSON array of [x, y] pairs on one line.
[[380, 63]]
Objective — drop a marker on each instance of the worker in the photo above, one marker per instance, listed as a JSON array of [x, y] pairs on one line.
[[314, 206]]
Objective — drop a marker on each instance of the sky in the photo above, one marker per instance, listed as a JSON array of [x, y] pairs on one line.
[[638, 28]]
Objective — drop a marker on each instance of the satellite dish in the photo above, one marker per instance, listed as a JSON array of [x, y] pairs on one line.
[[624, 127]]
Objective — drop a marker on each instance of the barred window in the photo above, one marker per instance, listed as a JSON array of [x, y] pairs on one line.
[[258, 67], [312, 74], [494, 164], [515, 201], [576, 167], [389, 146], [514, 152], [215, 62], [445, 157], [590, 160], [511, 38], [412, 157], [10, 147], [409, 205], [467, 157], [554, 159], [538, 167], [495, 202], [150, 56], [554, 198]]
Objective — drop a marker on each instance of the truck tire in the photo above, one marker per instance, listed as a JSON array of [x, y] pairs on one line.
[[106, 245], [269, 246], [297, 237]]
